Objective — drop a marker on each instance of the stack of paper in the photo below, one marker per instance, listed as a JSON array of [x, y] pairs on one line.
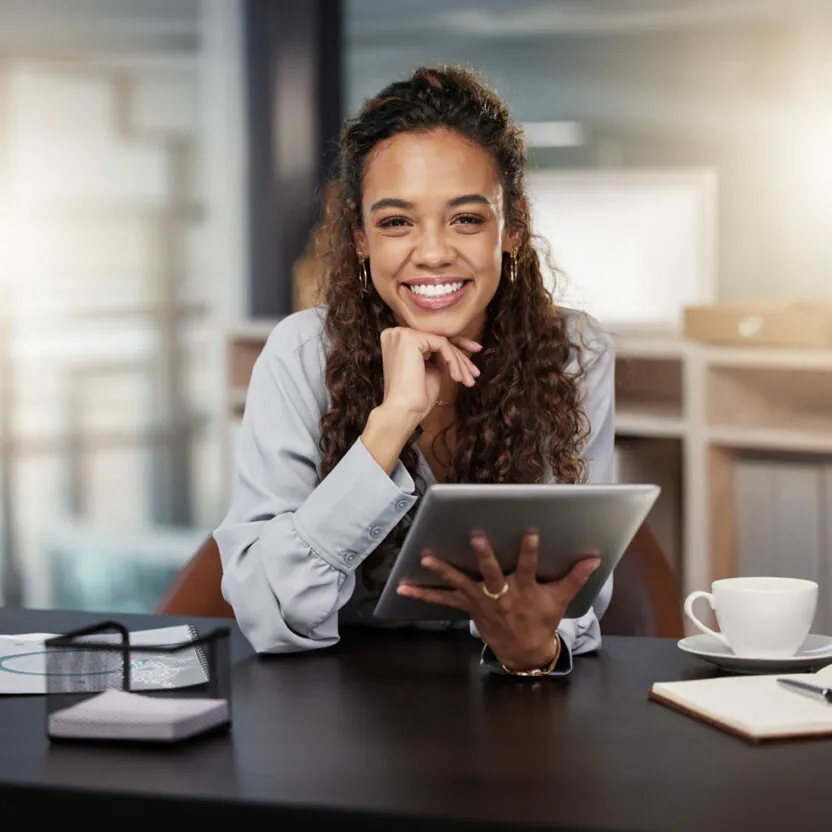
[[118, 715]]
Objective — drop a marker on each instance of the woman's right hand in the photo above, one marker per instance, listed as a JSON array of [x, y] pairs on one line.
[[414, 363]]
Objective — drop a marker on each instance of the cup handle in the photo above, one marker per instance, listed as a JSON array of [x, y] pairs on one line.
[[690, 601]]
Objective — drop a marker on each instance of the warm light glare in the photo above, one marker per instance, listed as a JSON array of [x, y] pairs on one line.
[[810, 170], [7, 255], [817, 159], [17, 242]]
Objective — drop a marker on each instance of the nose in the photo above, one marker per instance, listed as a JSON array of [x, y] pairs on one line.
[[433, 249]]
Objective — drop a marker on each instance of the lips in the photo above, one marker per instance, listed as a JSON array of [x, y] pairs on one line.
[[437, 289], [435, 294]]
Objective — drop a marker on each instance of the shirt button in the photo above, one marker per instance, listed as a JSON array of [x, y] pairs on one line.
[[401, 505], [375, 532], [349, 557]]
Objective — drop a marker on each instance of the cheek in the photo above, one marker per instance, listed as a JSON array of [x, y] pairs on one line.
[[385, 264], [487, 259], [386, 258]]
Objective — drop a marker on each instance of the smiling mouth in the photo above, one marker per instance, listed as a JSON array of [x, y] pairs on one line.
[[436, 289]]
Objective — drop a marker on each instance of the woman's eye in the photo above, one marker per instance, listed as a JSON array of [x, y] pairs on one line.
[[470, 219], [393, 222]]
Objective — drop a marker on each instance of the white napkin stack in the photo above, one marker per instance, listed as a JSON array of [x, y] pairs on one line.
[[119, 715]]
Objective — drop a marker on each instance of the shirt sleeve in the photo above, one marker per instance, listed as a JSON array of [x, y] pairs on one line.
[[583, 635], [290, 542]]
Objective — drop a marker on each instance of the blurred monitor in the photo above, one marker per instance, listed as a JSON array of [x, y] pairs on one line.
[[631, 246]]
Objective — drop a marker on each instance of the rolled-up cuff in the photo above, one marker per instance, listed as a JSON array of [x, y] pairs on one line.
[[563, 667], [354, 508]]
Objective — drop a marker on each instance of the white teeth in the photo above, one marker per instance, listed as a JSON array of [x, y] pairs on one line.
[[436, 290]]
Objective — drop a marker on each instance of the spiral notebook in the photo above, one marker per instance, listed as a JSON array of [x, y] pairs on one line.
[[756, 708], [23, 661]]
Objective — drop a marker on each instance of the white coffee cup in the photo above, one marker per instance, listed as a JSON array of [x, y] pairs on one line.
[[759, 618]]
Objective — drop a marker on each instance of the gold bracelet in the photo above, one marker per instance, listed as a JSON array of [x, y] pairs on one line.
[[538, 671]]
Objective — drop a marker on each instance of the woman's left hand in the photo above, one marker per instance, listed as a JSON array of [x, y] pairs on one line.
[[520, 625]]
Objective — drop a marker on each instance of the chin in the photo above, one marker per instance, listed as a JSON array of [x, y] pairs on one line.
[[464, 315], [439, 323]]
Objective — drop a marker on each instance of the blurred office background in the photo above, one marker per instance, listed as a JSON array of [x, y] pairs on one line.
[[160, 166]]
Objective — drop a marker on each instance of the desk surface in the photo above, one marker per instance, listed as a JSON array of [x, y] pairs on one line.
[[405, 726]]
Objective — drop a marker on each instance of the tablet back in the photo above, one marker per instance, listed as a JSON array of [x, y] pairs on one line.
[[573, 521]]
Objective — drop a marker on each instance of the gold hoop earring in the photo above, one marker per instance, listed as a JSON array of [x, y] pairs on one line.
[[512, 267], [363, 273]]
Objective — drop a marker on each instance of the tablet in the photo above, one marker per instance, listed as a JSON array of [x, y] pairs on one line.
[[571, 520]]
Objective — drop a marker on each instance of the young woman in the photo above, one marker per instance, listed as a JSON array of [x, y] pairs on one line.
[[438, 357]]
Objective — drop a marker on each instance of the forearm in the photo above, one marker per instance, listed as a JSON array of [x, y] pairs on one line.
[[287, 576], [286, 603], [386, 433]]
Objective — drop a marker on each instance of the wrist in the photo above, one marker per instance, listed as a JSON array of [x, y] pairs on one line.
[[385, 435], [543, 658], [394, 421]]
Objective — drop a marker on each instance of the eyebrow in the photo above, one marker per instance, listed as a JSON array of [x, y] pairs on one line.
[[467, 199]]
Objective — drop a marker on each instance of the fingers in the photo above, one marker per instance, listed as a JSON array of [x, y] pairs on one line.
[[447, 597], [492, 574], [437, 349], [526, 572], [577, 577], [460, 367], [468, 371], [466, 344], [452, 577], [456, 367], [475, 371]]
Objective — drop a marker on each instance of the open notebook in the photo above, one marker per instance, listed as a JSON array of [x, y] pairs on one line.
[[754, 707]]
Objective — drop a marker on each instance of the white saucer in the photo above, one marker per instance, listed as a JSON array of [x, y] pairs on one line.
[[815, 652]]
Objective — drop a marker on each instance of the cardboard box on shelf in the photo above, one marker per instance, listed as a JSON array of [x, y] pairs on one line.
[[761, 323]]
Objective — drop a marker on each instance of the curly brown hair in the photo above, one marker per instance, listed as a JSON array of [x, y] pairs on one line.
[[523, 421]]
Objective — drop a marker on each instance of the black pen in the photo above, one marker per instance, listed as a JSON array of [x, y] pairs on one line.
[[815, 691]]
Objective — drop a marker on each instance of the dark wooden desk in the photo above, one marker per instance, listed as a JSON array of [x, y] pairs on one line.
[[402, 731]]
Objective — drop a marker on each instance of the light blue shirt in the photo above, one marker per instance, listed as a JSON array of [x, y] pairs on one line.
[[292, 543]]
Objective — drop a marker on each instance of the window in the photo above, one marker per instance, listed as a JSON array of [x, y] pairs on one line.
[[118, 262]]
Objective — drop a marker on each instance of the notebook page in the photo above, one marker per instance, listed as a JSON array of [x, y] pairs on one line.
[[757, 705], [23, 661], [822, 677]]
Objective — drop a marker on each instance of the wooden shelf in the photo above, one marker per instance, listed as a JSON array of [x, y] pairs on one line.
[[659, 420], [783, 408], [766, 358], [651, 347], [649, 389], [760, 438]]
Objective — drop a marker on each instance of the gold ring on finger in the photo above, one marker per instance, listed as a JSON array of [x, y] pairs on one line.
[[494, 595]]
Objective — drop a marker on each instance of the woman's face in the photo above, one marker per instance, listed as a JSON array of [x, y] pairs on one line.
[[434, 230]]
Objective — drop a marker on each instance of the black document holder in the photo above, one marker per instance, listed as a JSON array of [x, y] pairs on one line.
[[88, 661]]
